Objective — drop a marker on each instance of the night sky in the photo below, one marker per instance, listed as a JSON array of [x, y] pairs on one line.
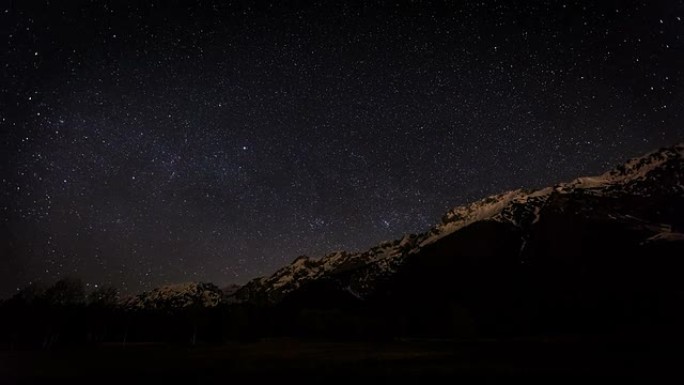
[[151, 142]]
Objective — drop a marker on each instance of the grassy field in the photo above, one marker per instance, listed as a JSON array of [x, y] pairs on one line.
[[335, 362]]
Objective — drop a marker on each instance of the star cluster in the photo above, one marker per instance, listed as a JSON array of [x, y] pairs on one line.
[[153, 142]]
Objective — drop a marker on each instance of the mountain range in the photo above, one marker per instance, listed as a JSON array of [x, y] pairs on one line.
[[642, 198], [611, 243]]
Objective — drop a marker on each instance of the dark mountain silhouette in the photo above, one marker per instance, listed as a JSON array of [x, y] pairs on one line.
[[579, 255]]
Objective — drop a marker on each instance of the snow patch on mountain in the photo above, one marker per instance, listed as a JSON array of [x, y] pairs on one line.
[[487, 208], [667, 236], [636, 169], [177, 296]]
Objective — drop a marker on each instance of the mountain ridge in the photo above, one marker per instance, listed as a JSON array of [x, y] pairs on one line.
[[520, 208], [620, 195]]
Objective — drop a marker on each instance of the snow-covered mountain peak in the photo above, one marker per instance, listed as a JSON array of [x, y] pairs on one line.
[[522, 206], [635, 169], [461, 216], [180, 295]]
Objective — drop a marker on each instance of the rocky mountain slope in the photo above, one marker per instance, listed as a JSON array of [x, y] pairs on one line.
[[177, 296], [642, 200]]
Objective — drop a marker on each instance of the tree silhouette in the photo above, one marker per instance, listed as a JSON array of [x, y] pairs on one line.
[[66, 292], [64, 300], [106, 296]]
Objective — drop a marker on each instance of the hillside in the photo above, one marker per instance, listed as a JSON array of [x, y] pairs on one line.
[[625, 213]]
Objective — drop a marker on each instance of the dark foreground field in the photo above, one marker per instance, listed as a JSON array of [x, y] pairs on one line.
[[291, 361]]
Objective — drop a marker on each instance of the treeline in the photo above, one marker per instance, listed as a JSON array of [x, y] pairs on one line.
[[422, 304], [65, 314]]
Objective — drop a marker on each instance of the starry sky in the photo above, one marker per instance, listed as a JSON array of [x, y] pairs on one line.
[[149, 142]]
